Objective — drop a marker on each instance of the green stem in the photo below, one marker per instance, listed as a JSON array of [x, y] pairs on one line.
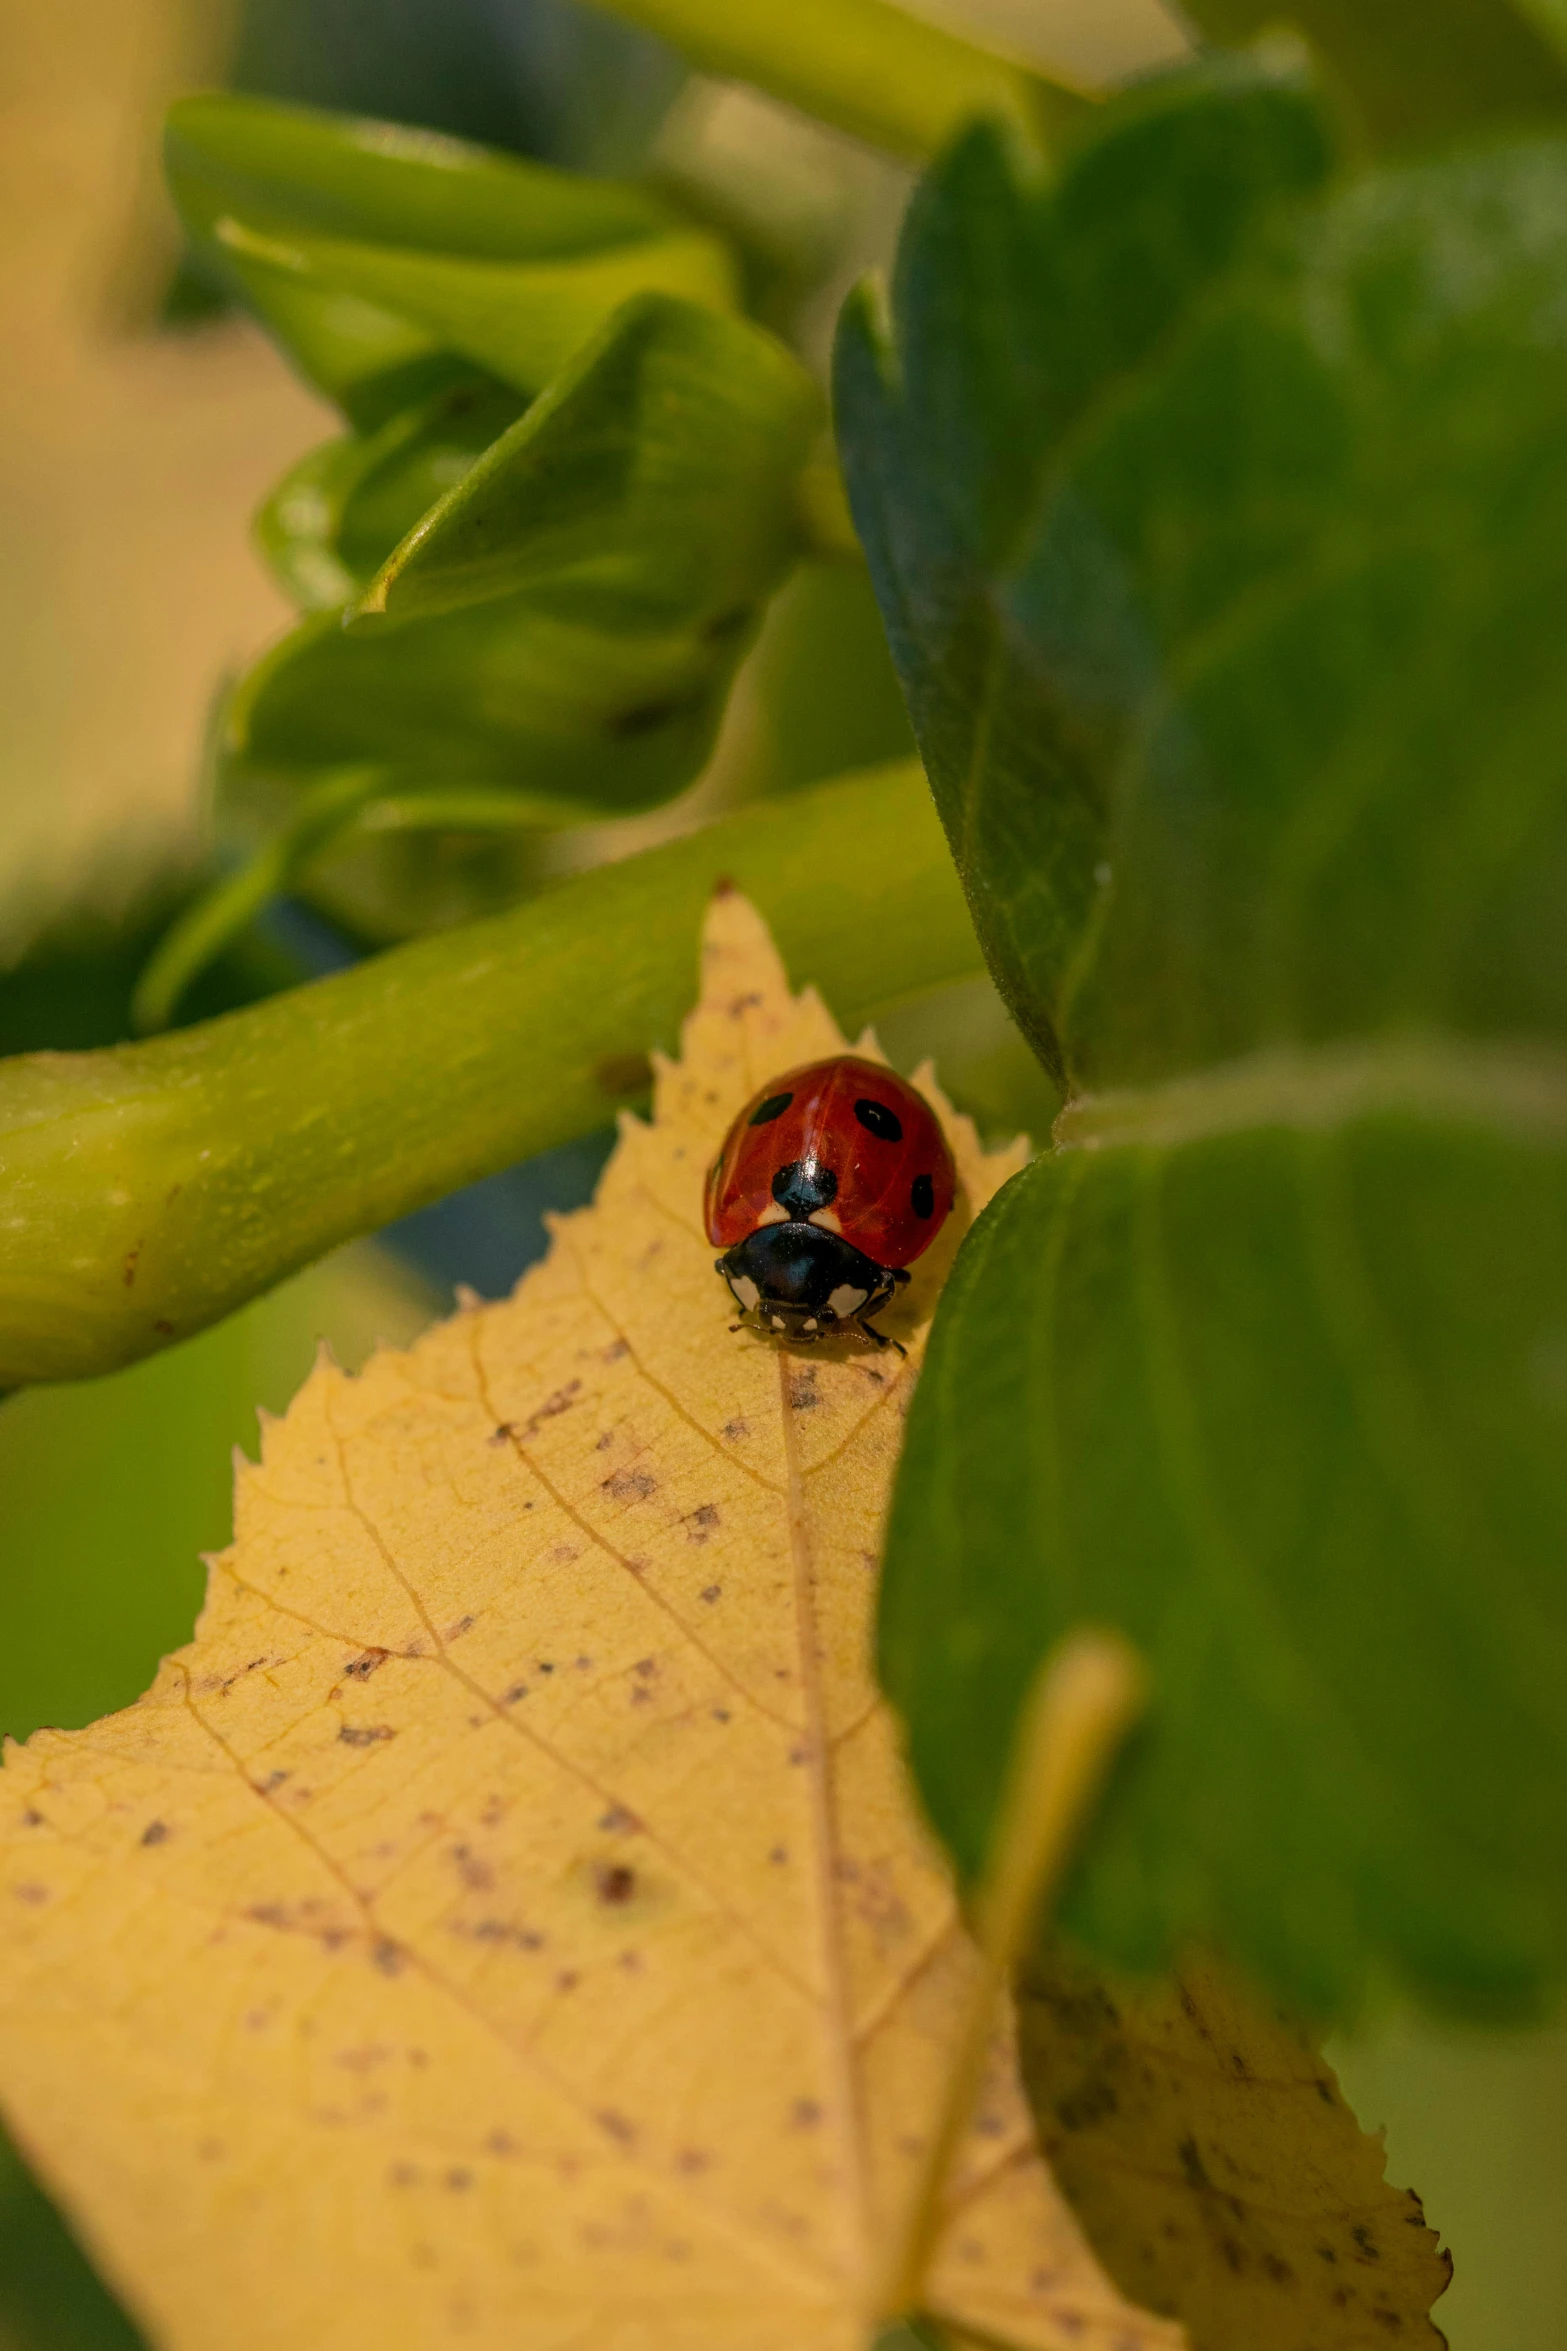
[[864, 65], [148, 1190]]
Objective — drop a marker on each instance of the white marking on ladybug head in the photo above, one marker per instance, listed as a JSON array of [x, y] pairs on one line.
[[846, 1300], [745, 1290], [777, 1321], [773, 1213], [809, 1323], [827, 1218]]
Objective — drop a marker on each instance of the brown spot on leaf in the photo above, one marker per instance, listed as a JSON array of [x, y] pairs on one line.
[[368, 1734], [629, 1485], [155, 1832], [553, 1405], [615, 1882]]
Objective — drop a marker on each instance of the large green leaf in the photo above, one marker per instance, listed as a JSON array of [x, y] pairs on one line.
[[1250, 722], [1023, 312], [389, 261], [1283, 1394], [563, 625]]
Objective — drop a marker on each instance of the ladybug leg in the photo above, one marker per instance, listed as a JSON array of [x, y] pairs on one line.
[[891, 1280]]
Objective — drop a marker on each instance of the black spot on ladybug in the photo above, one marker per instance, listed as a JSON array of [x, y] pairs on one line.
[[616, 1883], [922, 1196], [803, 1186], [765, 1112], [878, 1120]]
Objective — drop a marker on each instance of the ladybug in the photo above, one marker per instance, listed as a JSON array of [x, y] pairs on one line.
[[831, 1181]]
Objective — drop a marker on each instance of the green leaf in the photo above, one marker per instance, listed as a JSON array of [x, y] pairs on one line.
[[564, 624], [653, 483], [521, 320], [1279, 1387], [1420, 74], [286, 168], [147, 1191], [1022, 312], [1252, 730], [390, 262], [335, 517]]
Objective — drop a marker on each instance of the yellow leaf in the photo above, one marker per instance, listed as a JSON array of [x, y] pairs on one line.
[[507, 1923], [1202, 2139]]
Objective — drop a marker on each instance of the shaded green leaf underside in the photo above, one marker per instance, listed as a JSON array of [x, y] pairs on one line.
[[1291, 1388]]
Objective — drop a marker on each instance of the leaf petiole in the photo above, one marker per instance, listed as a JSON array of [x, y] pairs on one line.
[[1085, 1698]]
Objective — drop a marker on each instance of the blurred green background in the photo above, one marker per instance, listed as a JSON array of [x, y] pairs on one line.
[[141, 429]]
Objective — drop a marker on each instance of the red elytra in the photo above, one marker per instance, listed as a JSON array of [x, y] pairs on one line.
[[833, 1178]]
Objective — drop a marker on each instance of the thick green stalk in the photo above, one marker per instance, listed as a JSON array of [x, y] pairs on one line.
[[864, 65], [148, 1190]]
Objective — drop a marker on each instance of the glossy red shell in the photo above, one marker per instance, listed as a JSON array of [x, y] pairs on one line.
[[879, 1139]]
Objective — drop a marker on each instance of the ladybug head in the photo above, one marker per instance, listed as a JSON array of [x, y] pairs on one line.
[[804, 1282]]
